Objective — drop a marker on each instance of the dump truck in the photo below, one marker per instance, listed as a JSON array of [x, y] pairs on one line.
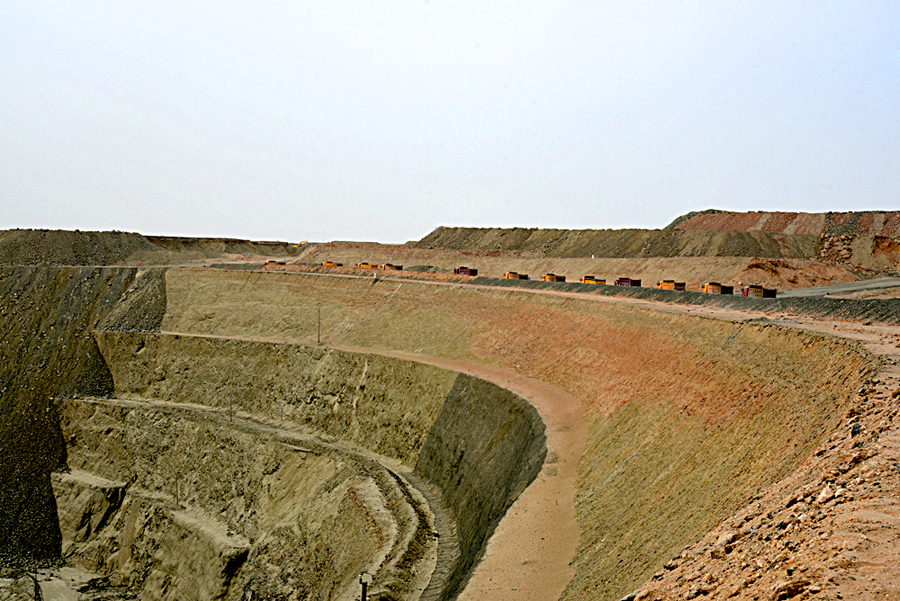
[[752, 290], [716, 288], [628, 282], [332, 264], [392, 266], [465, 271], [512, 275], [589, 279], [364, 265], [552, 277]]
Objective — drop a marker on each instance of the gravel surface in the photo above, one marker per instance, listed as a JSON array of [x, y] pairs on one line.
[[880, 310]]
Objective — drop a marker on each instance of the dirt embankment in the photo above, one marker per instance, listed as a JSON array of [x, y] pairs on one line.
[[857, 223], [47, 351], [65, 247], [478, 443], [626, 243], [689, 418]]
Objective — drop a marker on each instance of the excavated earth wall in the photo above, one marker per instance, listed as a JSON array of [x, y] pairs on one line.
[[480, 445], [47, 351], [174, 501], [689, 417], [626, 243]]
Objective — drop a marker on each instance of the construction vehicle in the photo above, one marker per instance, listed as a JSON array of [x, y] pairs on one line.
[[628, 282], [716, 288], [670, 285], [365, 265], [512, 275], [332, 264], [392, 266], [552, 277], [589, 279], [465, 271], [752, 290]]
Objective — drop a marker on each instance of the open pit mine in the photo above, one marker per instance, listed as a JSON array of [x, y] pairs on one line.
[[197, 419]]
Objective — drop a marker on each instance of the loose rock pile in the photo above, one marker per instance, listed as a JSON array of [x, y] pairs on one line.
[[836, 248], [814, 536]]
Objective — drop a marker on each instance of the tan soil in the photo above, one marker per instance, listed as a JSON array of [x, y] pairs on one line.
[[600, 352], [783, 274], [531, 550]]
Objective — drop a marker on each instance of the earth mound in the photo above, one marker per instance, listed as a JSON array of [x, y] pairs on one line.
[[74, 247], [626, 243], [855, 223]]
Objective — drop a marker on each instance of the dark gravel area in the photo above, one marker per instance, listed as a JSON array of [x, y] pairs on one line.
[[876, 310]]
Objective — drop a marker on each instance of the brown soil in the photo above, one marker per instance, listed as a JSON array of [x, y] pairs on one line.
[[868, 223]]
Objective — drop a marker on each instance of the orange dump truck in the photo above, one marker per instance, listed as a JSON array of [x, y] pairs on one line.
[[332, 264], [670, 285], [552, 277], [589, 279], [392, 266], [717, 288], [512, 275], [365, 265]]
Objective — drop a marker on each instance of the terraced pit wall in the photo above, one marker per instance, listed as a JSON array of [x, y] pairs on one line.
[[689, 417], [480, 444], [170, 501], [47, 351]]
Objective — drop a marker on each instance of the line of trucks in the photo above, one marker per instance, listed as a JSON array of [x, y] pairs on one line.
[[707, 288]]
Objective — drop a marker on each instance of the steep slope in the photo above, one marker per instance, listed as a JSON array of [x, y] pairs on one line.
[[46, 351], [688, 417]]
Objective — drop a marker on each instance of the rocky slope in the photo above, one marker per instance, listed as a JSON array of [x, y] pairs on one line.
[[857, 223], [61, 247], [627, 243], [47, 351]]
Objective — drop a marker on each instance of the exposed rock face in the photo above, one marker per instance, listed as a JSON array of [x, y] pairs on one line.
[[47, 351]]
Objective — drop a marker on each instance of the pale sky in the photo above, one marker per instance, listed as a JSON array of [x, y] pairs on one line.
[[339, 120]]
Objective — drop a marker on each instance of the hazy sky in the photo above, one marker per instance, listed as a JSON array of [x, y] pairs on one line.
[[297, 120]]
